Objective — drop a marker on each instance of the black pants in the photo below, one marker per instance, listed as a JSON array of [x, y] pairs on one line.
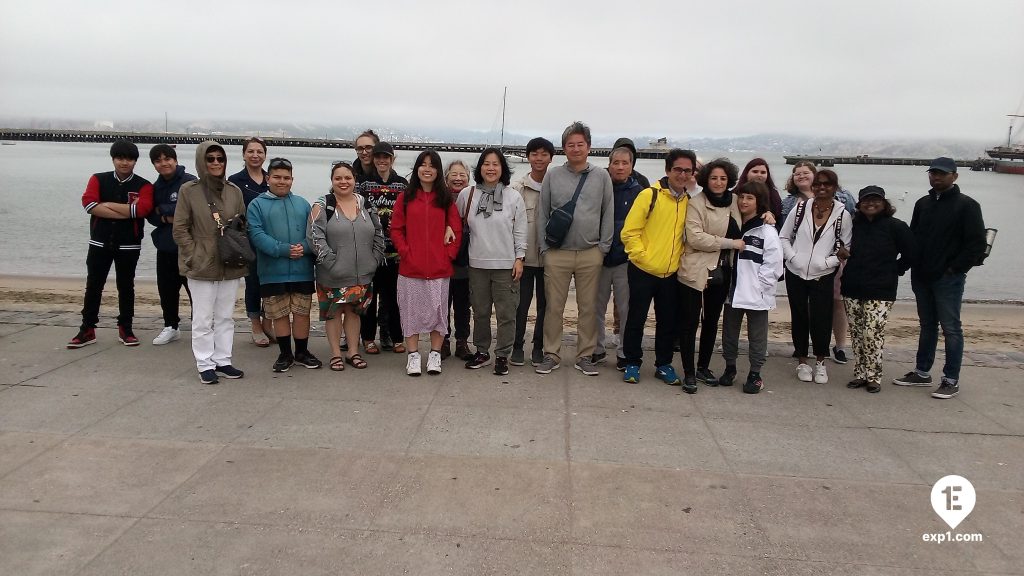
[[533, 277], [98, 262], [810, 309], [458, 301], [385, 296], [643, 288], [169, 283], [704, 308]]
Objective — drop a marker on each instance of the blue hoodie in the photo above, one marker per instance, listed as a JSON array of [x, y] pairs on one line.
[[625, 193], [275, 223], [165, 199]]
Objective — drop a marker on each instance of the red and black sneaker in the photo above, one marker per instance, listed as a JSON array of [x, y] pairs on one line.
[[84, 337], [126, 337]]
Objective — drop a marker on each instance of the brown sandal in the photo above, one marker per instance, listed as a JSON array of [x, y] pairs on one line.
[[356, 361], [337, 363], [370, 347], [399, 348]]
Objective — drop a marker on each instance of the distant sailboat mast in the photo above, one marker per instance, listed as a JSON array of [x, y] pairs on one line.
[[504, 95]]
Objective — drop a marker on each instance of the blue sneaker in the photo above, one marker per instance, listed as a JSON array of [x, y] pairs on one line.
[[631, 374], [667, 374]]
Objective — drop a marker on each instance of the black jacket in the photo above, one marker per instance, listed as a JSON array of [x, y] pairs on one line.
[[950, 234], [880, 252], [165, 199]]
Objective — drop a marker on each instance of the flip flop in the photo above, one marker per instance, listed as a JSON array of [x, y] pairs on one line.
[[260, 340], [371, 347], [399, 348], [337, 363], [356, 361]]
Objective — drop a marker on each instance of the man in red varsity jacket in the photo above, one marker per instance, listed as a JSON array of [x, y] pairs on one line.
[[117, 203]]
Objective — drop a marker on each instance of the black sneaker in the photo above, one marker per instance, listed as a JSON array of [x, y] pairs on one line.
[[728, 377], [518, 357], [913, 379], [754, 384], [308, 360], [838, 355], [284, 362], [598, 358], [500, 366], [946, 390], [479, 360], [621, 364], [707, 377], [208, 377], [690, 385], [230, 372]]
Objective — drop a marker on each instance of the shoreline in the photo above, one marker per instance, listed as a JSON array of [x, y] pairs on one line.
[[987, 325]]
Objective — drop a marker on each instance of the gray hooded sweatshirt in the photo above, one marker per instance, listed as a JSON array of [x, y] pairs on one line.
[[347, 252]]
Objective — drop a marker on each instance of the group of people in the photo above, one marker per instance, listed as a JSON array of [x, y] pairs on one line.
[[705, 243]]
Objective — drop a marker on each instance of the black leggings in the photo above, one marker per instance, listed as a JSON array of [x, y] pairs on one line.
[[810, 309], [704, 308]]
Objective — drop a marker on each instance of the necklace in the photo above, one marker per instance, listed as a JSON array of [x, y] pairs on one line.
[[820, 213]]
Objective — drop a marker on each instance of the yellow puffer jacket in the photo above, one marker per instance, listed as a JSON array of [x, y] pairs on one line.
[[654, 238]]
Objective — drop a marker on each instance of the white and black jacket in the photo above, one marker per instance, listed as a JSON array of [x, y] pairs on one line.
[[808, 257], [757, 267]]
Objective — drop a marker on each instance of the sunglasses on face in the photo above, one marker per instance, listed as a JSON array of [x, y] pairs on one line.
[[822, 184], [216, 159]]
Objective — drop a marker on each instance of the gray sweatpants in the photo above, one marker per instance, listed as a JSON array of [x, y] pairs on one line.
[[757, 335], [613, 281], [495, 288]]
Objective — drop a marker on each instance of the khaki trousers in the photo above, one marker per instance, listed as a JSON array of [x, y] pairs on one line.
[[561, 266]]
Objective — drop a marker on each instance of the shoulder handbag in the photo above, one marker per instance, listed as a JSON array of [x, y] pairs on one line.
[[462, 258], [233, 245], [561, 218]]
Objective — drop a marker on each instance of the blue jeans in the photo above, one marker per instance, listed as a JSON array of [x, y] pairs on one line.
[[938, 304]]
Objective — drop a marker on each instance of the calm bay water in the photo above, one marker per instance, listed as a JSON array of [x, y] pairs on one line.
[[44, 230]]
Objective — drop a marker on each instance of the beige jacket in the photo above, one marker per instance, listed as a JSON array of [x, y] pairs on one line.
[[195, 231], [704, 238], [531, 197]]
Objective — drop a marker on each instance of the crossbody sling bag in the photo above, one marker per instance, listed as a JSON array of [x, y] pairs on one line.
[[561, 218]]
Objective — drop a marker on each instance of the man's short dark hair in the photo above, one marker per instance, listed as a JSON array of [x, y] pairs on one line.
[[162, 150], [731, 172], [576, 127], [506, 172], [677, 153], [622, 150], [539, 143], [758, 190], [124, 149]]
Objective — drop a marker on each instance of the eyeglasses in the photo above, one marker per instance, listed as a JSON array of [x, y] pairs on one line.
[[216, 159], [364, 148], [280, 163], [822, 183], [678, 170]]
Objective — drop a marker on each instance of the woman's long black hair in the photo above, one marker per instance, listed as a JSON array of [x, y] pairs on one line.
[[442, 197]]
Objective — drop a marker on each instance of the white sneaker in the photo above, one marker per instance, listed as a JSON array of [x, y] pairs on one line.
[[412, 367], [820, 375], [166, 336], [803, 372], [434, 363]]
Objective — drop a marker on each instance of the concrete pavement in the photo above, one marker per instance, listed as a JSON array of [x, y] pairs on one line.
[[118, 461]]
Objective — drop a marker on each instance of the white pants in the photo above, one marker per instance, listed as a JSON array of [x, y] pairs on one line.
[[213, 327], [613, 281]]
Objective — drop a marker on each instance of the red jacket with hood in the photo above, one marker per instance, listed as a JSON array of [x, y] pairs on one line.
[[417, 231]]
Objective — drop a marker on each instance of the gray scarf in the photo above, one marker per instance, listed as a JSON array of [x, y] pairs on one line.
[[490, 200]]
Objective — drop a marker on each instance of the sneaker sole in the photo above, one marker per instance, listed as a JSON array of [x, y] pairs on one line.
[[129, 344], [501, 373], [223, 375], [281, 370], [308, 366], [479, 366], [913, 384], [542, 371], [514, 363], [585, 373], [944, 396], [433, 372], [414, 374], [214, 381], [82, 345]]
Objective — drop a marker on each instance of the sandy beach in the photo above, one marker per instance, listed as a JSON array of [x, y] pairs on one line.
[[987, 327]]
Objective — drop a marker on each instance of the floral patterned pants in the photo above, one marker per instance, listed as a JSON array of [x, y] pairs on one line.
[[867, 330]]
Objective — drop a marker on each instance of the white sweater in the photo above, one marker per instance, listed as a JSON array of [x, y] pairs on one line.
[[806, 258]]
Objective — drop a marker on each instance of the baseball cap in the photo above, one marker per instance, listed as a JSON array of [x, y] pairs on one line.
[[943, 164], [383, 148], [871, 191]]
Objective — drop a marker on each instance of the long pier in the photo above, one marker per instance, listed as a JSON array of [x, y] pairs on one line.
[[826, 161], [15, 134]]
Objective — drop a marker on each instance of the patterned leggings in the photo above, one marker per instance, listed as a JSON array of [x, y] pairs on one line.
[[867, 328]]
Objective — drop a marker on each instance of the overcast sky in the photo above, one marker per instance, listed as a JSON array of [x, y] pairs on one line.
[[870, 69]]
